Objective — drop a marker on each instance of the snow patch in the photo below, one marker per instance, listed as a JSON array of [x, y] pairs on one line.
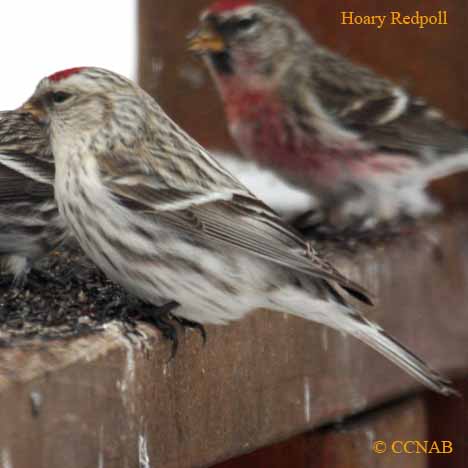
[[307, 409], [129, 371], [287, 200], [6, 459], [101, 443], [143, 457], [370, 435]]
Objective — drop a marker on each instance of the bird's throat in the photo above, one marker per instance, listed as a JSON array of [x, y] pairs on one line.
[[222, 62]]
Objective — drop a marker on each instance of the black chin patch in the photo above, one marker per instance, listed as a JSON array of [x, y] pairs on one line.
[[222, 62]]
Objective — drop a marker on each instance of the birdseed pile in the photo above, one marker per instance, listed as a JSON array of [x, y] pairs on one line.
[[66, 297]]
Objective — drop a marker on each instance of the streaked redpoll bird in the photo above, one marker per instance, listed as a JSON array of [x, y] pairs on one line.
[[357, 141], [161, 217], [30, 224]]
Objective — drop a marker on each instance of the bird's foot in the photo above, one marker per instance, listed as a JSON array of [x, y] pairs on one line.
[[184, 323], [310, 219], [316, 224], [362, 230], [160, 317]]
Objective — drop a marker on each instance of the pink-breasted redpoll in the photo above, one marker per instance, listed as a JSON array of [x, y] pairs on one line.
[[354, 139], [30, 224], [161, 217]]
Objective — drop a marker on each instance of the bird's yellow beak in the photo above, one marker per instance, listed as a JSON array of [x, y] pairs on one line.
[[205, 39], [36, 109]]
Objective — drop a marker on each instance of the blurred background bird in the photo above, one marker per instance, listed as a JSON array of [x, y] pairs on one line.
[[30, 225], [360, 143], [160, 216]]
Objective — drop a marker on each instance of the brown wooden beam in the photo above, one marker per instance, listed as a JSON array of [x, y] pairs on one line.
[[370, 441]]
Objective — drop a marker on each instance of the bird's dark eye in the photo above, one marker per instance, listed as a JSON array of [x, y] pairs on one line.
[[59, 96], [246, 23], [234, 25]]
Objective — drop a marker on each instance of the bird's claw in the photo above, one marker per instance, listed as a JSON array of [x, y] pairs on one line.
[[160, 317], [168, 331], [184, 323]]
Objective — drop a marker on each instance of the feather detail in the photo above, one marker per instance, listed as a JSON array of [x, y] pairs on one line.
[[345, 319], [352, 98], [16, 187], [238, 220], [63, 74], [223, 6]]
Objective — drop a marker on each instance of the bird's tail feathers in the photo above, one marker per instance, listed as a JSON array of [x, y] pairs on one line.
[[385, 344], [441, 168], [345, 319]]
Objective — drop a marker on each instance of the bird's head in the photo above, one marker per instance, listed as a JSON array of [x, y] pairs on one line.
[[83, 100], [245, 38]]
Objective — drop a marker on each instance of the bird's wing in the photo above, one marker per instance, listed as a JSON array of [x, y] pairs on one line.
[[18, 187], [21, 134], [24, 150], [27, 168], [230, 216], [26, 162], [383, 114]]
